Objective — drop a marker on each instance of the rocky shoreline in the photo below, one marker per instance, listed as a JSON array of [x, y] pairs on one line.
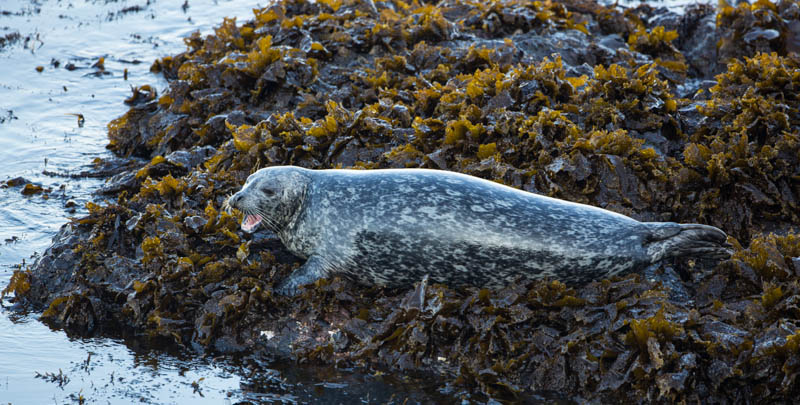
[[689, 117]]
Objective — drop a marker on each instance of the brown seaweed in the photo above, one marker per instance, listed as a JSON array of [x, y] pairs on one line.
[[458, 86]]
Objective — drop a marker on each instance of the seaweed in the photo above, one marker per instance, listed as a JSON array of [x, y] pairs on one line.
[[461, 86], [762, 26], [17, 285]]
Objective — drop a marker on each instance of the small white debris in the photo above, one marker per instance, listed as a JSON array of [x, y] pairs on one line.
[[267, 334]]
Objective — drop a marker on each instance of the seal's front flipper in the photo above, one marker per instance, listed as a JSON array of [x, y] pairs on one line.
[[311, 271]]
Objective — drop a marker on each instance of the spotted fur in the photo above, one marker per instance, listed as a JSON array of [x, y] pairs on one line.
[[393, 227]]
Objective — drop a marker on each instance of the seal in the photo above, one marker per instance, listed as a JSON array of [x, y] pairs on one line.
[[393, 227]]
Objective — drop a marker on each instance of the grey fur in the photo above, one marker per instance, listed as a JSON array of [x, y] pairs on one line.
[[393, 227]]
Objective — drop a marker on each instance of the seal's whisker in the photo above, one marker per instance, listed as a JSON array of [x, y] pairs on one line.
[[268, 221], [226, 205]]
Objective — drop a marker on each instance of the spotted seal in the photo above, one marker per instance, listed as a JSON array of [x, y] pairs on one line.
[[395, 226]]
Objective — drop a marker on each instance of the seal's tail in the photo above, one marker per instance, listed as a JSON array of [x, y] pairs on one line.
[[668, 239]]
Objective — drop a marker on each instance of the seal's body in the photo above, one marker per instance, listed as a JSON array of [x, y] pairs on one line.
[[393, 227]]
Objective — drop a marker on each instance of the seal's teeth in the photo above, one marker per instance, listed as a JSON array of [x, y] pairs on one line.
[[250, 222]]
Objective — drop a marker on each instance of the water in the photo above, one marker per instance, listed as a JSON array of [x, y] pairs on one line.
[[102, 371], [41, 140]]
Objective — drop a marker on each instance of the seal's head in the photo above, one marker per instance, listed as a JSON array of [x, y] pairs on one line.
[[271, 196]]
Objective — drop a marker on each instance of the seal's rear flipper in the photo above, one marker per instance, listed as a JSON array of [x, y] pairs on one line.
[[668, 239]]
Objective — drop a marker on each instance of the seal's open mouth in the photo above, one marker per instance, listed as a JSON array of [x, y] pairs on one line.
[[250, 222]]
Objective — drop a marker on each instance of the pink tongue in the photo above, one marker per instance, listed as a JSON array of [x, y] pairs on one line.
[[250, 222]]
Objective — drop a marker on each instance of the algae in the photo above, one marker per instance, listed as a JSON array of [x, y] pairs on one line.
[[615, 119]]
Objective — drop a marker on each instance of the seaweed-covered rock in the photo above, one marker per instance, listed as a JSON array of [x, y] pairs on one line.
[[601, 105], [762, 26]]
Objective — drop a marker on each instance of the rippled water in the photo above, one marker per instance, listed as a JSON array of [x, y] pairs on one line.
[[41, 141], [39, 133]]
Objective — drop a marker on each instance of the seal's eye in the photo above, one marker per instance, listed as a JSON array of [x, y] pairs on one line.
[[269, 192]]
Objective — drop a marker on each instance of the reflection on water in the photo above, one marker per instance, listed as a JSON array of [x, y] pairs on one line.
[[43, 142], [100, 370], [40, 365]]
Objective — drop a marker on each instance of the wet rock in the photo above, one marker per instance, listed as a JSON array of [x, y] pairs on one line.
[[187, 160], [698, 41], [31, 189], [51, 274], [15, 182], [195, 223], [119, 183]]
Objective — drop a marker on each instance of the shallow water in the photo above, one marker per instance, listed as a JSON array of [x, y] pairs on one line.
[[41, 140]]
